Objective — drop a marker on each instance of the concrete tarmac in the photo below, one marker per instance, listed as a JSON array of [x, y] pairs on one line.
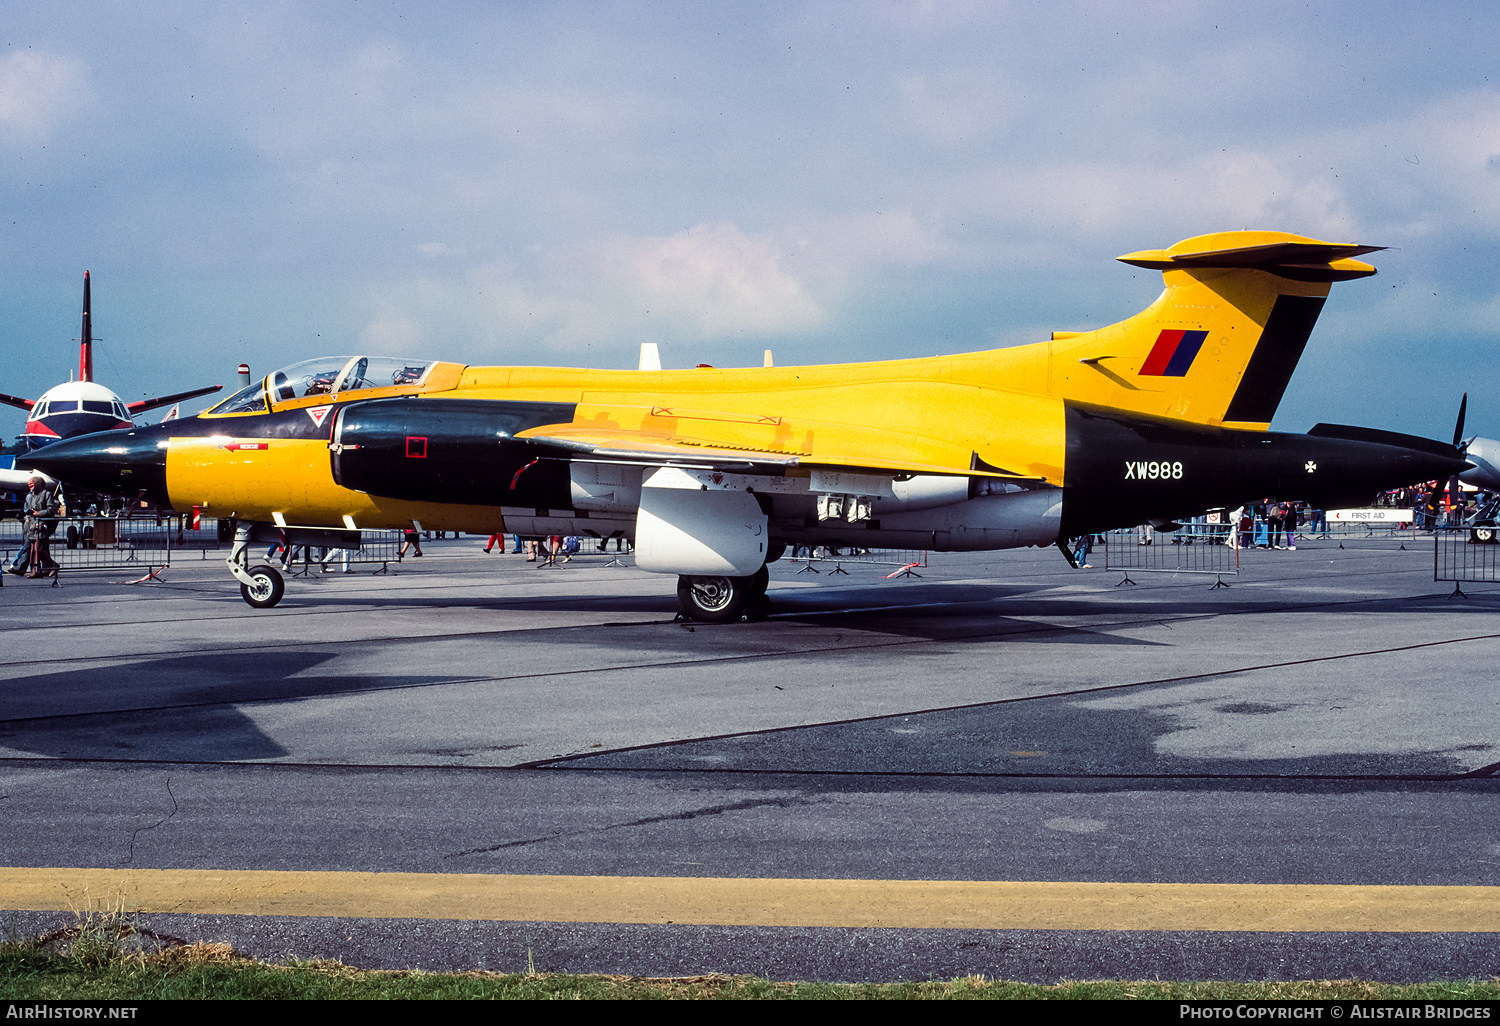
[[1332, 718]]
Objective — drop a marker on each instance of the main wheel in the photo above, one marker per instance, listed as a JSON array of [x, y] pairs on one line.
[[713, 599], [267, 589], [757, 583], [1483, 535]]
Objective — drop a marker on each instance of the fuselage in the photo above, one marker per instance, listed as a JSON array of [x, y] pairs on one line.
[[953, 461], [1484, 454]]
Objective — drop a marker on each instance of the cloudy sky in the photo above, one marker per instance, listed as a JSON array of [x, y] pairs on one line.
[[556, 183]]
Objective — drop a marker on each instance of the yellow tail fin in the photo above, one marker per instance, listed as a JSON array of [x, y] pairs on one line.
[[1220, 343]]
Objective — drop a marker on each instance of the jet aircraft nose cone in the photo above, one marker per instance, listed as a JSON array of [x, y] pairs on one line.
[[126, 463]]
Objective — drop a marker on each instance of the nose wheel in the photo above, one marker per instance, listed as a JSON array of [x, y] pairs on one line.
[[265, 588]]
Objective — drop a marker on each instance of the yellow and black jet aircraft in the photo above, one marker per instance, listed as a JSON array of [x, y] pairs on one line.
[[713, 472]]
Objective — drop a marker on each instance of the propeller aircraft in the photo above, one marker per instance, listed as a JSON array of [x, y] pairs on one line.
[[82, 405], [1483, 475], [713, 472]]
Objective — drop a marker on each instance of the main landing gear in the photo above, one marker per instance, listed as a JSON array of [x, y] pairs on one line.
[[721, 599]]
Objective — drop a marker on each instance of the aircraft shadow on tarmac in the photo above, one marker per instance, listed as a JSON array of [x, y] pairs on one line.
[[1056, 737], [929, 612], [177, 708], [937, 611]]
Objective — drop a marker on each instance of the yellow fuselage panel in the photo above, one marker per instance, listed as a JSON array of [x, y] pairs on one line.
[[293, 477]]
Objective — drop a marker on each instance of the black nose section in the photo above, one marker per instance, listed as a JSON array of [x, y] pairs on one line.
[[127, 463]]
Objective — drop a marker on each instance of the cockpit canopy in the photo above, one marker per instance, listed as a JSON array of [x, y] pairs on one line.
[[326, 375]]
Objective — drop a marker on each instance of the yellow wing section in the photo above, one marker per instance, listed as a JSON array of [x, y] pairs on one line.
[[903, 426]]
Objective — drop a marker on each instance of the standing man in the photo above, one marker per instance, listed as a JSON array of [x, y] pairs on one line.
[[40, 508]]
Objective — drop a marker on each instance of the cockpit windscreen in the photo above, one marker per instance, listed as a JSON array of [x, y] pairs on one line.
[[332, 374]]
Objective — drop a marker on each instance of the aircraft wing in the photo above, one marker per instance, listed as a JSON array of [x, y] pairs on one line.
[[593, 445], [142, 405], [17, 402]]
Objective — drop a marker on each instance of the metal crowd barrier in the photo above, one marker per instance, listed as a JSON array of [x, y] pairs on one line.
[[1462, 556], [97, 543], [588, 545], [905, 561], [383, 547], [1191, 549], [151, 544], [1334, 531]]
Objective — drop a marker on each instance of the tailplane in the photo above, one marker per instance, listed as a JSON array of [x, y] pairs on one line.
[[1220, 343]]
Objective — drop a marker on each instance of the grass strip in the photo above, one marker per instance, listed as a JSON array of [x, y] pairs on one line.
[[30, 972], [111, 955]]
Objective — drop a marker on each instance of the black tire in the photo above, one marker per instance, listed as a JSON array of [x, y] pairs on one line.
[[269, 587], [713, 599], [72, 537], [1483, 535], [757, 583]]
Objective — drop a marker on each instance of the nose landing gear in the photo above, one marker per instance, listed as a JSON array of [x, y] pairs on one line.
[[262, 586]]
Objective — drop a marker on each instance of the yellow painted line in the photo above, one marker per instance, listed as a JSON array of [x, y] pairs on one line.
[[954, 904]]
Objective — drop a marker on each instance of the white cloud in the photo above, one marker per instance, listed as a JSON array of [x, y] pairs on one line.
[[391, 336], [958, 107], [1219, 191], [713, 279], [853, 244], [710, 283], [39, 91], [1439, 168]]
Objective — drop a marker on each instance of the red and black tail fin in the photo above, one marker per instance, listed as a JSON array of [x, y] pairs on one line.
[[86, 338]]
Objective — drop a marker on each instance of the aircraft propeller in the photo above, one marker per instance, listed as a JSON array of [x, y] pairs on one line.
[[1451, 487]]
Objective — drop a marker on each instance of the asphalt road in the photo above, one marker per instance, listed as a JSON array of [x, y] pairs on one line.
[[1333, 719]]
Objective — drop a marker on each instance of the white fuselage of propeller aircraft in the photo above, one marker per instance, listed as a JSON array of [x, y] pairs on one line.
[[1484, 453]]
